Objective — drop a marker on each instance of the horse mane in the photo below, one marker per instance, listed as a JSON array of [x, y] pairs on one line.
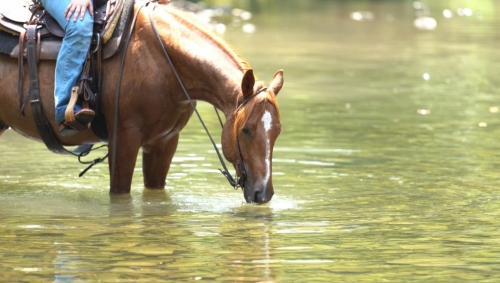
[[244, 113], [194, 24], [242, 116]]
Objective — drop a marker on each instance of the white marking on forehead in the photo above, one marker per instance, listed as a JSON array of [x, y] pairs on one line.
[[267, 120]]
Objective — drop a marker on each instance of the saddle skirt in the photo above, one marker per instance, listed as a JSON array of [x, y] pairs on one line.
[[15, 16]]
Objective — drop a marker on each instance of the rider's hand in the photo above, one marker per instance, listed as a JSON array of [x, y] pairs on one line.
[[78, 7], [163, 1]]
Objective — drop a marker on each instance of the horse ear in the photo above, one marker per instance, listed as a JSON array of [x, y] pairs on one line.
[[277, 82], [247, 83]]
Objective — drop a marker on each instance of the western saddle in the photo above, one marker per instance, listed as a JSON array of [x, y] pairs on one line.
[[40, 38]]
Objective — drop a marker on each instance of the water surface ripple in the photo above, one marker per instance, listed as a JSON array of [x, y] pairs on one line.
[[386, 169]]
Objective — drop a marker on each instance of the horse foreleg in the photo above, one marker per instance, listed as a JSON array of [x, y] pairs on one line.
[[156, 159], [127, 148]]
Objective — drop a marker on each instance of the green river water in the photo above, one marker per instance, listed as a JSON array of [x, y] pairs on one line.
[[386, 168]]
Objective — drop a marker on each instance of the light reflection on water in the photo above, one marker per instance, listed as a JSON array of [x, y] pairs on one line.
[[367, 187]]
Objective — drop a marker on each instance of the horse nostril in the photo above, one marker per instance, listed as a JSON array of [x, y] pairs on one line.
[[260, 197], [256, 197]]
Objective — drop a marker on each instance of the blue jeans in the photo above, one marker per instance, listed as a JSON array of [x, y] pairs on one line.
[[75, 46]]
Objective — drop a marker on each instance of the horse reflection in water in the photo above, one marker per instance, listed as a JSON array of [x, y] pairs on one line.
[[154, 238], [154, 108]]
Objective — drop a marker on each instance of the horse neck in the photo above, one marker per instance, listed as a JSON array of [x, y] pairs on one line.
[[209, 70]]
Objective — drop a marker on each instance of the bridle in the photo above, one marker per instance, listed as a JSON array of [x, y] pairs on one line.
[[241, 174]]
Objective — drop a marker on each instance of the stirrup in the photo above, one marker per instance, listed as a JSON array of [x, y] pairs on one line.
[[80, 123], [69, 114]]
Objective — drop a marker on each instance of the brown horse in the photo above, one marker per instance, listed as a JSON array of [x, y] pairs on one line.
[[154, 108]]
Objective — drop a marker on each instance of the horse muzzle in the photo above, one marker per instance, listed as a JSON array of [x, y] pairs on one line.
[[258, 194]]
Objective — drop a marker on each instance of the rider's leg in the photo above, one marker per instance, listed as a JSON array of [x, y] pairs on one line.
[[75, 46]]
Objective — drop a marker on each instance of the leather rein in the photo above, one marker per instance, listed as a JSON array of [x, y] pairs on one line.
[[241, 173]]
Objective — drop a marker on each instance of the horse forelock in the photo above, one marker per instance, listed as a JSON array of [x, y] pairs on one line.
[[194, 25], [242, 116]]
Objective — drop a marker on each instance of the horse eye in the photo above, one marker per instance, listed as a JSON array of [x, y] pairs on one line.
[[246, 130]]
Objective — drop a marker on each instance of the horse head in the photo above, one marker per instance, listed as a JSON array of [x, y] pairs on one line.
[[249, 135]]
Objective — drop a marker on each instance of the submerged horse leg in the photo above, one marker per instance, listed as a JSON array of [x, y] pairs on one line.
[[127, 148], [3, 127], [156, 160]]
